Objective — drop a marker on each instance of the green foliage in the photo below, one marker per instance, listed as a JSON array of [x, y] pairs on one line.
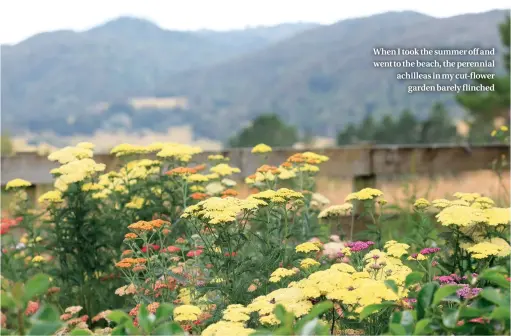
[[159, 324], [406, 129], [438, 312], [268, 129], [17, 300], [484, 107]]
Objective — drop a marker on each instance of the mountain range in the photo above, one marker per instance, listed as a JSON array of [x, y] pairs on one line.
[[129, 74]]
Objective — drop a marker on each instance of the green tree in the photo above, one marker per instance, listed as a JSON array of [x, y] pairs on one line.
[[438, 128], [406, 128], [348, 136], [386, 131], [268, 129], [484, 107]]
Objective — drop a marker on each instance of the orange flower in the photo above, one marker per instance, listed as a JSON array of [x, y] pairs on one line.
[[229, 192], [313, 161], [134, 311], [165, 232], [153, 306], [141, 226], [287, 165], [267, 168], [296, 158], [157, 223], [181, 171], [130, 235], [127, 252], [198, 196], [53, 290], [140, 260], [139, 268], [65, 317], [199, 168], [102, 315], [32, 307]]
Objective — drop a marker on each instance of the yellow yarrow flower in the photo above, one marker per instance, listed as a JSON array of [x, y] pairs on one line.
[[188, 313], [281, 273], [53, 196], [498, 216], [336, 211], [307, 247], [421, 204], [17, 183], [308, 263], [461, 216], [364, 194], [223, 169], [261, 148], [489, 248]]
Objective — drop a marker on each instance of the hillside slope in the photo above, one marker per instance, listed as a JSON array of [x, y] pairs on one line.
[[66, 73], [317, 79], [324, 77]]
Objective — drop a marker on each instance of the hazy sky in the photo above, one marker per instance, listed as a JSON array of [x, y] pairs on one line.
[[20, 19]]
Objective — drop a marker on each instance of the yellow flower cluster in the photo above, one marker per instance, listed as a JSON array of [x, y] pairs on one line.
[[217, 157], [186, 313], [310, 156], [178, 152], [52, 196], [261, 148], [293, 299], [223, 169], [69, 154], [336, 211], [308, 263], [218, 210], [469, 215], [491, 247], [17, 183], [307, 247], [135, 203], [281, 273], [280, 196], [421, 204], [364, 194], [76, 171], [222, 328], [396, 249]]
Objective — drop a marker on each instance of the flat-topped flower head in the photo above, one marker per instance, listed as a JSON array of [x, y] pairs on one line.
[[261, 149], [178, 152], [308, 263], [364, 195], [17, 183], [336, 211], [307, 247], [69, 154], [128, 149], [498, 216], [223, 169], [460, 215], [52, 196], [421, 204], [281, 273], [187, 313]]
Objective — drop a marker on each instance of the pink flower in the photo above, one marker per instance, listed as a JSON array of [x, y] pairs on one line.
[[194, 253]]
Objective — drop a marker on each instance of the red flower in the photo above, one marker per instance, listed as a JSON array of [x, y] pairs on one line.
[[84, 318], [153, 247], [32, 307], [480, 320], [194, 253], [233, 254], [173, 249]]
